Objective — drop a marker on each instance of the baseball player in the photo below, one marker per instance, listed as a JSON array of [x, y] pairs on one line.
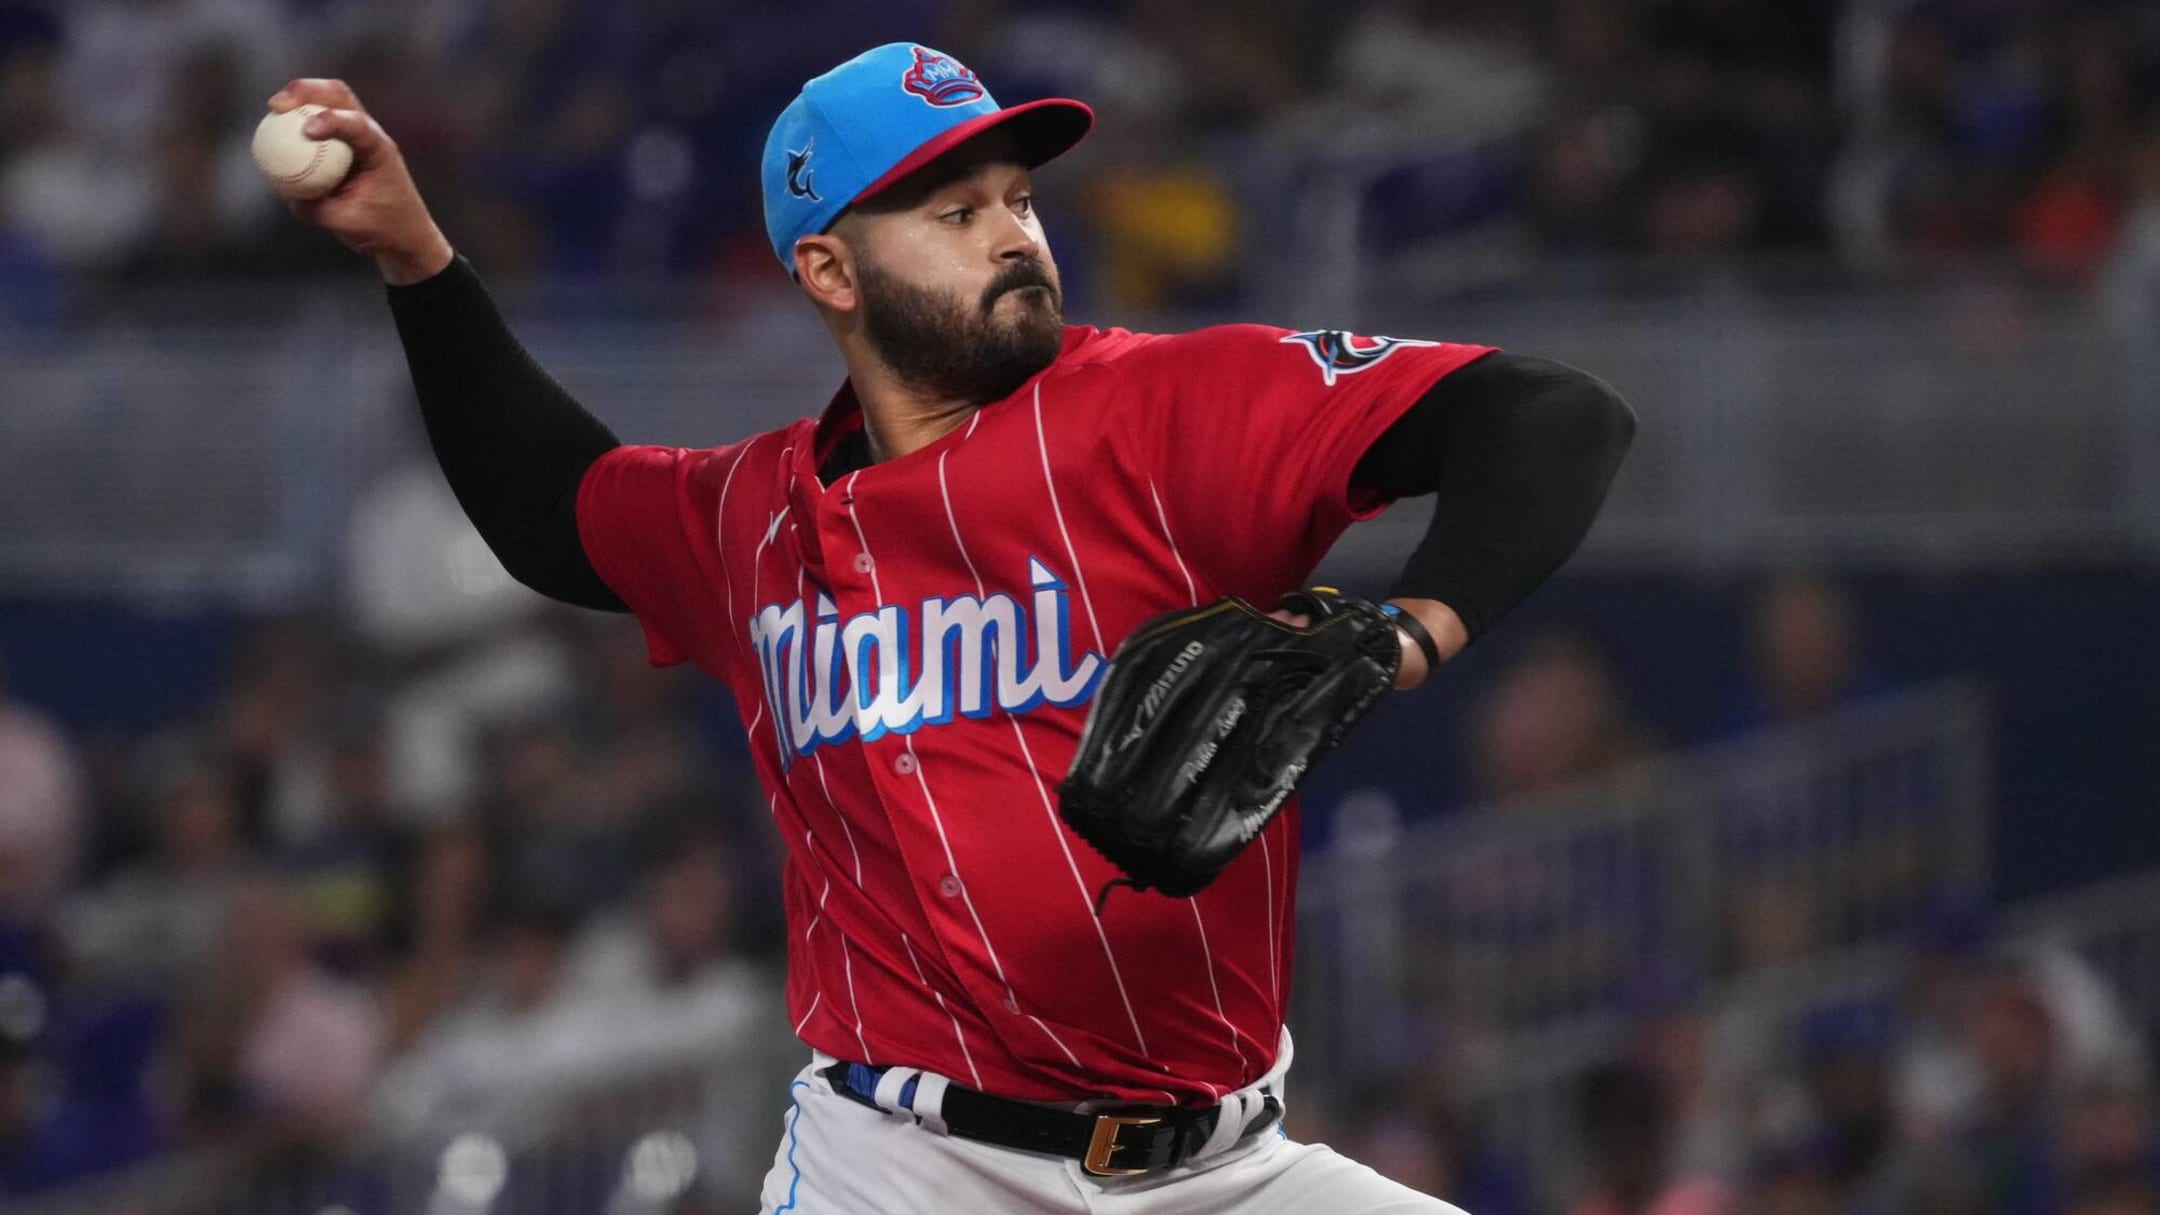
[[915, 596]]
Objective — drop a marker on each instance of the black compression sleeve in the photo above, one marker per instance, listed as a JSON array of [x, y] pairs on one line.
[[1520, 452], [513, 444]]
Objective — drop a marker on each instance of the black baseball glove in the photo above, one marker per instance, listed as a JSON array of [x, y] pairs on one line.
[[1207, 720]]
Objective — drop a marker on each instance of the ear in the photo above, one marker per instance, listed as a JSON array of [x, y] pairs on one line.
[[826, 269]]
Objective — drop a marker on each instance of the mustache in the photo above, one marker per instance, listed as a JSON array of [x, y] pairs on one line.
[[1029, 273]]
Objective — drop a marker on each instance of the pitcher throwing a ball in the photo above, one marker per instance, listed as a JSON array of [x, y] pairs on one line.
[[1027, 984]]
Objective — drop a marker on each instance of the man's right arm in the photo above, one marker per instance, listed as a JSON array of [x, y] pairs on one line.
[[512, 443]]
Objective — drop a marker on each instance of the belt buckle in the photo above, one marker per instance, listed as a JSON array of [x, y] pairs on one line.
[[1103, 1143]]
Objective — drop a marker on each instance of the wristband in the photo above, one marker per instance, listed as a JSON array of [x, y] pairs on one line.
[[1415, 629]]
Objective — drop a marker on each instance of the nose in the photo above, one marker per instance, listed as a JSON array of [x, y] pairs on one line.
[[1017, 240]]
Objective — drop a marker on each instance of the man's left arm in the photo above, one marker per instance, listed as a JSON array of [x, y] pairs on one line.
[[1519, 452]]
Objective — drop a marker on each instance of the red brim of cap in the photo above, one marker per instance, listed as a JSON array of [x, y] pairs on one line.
[[1044, 130]]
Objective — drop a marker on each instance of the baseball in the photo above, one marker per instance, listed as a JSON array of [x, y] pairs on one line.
[[296, 166]]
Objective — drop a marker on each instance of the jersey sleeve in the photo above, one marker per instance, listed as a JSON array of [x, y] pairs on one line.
[[632, 510], [1248, 435]]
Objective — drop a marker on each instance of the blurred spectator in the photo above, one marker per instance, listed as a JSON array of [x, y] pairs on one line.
[[2110, 1146], [1709, 1057], [421, 588], [1555, 717], [494, 1057], [2133, 274], [1627, 1130], [157, 920], [2013, 1039], [41, 810], [345, 868], [1847, 1052], [1434, 1149], [1166, 228], [69, 199], [447, 904], [29, 1159], [271, 1048], [670, 965], [1961, 1003], [556, 826], [573, 138], [128, 59], [1807, 657], [547, 80], [77, 1091], [280, 680]]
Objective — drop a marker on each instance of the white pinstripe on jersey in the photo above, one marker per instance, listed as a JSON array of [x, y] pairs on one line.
[[1079, 575], [772, 805], [937, 818], [959, 1037], [1207, 952], [720, 536], [1267, 861], [848, 965], [1079, 883], [802, 576], [1192, 593]]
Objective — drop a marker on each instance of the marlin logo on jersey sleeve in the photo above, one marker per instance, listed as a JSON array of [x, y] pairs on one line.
[[893, 670], [1339, 353]]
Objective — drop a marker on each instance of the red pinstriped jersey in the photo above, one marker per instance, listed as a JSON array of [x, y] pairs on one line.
[[913, 647]]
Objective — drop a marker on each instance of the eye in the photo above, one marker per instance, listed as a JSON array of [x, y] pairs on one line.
[[957, 216], [1024, 205]]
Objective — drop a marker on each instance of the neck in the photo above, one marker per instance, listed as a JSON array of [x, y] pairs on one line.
[[897, 417]]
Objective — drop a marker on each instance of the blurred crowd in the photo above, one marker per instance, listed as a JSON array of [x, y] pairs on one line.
[[449, 861], [1978, 1071], [620, 138], [381, 895], [1997, 1079], [456, 861]]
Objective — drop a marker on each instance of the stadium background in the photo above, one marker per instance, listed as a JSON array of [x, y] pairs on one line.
[[1792, 852]]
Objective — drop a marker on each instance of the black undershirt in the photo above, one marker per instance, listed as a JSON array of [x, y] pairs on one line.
[[1518, 450]]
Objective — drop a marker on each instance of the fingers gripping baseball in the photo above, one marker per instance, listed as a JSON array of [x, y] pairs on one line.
[[368, 140], [315, 90], [376, 211]]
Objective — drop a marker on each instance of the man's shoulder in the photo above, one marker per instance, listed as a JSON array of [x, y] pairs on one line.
[[1132, 351], [765, 452]]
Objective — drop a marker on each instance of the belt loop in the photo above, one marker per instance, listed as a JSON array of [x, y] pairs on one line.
[[1230, 1119], [889, 1085], [929, 1103]]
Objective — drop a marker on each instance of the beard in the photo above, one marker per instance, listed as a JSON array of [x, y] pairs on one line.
[[939, 343]]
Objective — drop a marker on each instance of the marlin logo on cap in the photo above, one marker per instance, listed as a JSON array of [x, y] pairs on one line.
[[941, 79], [798, 181]]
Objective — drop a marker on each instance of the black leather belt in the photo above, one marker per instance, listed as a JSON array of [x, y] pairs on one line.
[[1124, 1142]]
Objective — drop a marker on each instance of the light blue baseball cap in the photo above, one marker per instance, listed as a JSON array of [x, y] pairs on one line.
[[863, 126]]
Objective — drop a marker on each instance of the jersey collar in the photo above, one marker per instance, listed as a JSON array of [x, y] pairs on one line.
[[843, 415]]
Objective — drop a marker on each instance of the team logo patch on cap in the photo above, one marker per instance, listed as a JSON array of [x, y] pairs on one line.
[[941, 79], [799, 173], [1340, 353]]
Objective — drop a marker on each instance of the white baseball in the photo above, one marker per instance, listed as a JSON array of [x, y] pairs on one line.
[[299, 167]]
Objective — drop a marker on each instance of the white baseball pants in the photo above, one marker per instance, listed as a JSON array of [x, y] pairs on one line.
[[839, 1157]]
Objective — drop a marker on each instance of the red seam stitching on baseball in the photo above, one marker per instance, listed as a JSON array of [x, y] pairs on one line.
[[322, 148]]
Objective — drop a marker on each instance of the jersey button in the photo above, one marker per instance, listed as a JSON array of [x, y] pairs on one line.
[[904, 763], [863, 563], [949, 886]]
